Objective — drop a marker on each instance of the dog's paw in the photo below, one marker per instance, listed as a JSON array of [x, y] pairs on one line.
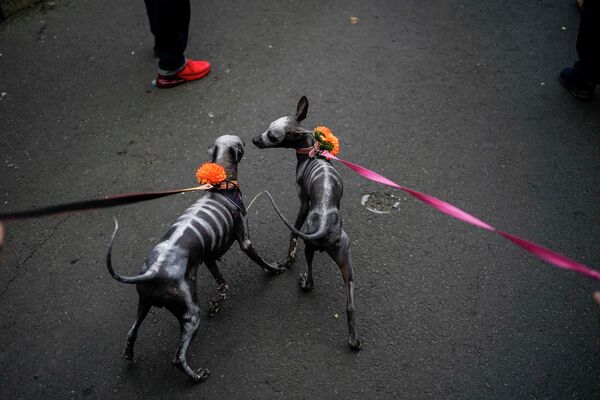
[[201, 375], [213, 308], [354, 343], [276, 268], [304, 283]]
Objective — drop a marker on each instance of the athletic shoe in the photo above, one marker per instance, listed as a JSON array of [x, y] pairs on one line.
[[578, 84], [193, 70]]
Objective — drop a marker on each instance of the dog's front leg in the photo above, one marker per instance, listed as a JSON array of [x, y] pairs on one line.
[[246, 246], [215, 305], [293, 249]]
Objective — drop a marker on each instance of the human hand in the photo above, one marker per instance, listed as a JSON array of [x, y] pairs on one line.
[[597, 297]]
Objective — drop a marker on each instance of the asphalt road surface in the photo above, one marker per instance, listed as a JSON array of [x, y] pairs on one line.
[[458, 99]]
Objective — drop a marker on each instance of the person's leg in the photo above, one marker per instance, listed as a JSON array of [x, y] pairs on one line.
[[588, 41], [169, 22], [581, 79], [150, 12]]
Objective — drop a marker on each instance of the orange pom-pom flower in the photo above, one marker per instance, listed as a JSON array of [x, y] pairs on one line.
[[211, 173], [327, 139]]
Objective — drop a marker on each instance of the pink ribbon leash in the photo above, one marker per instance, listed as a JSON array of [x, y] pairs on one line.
[[550, 256]]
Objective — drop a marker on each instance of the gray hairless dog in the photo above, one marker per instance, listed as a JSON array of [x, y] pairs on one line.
[[318, 222], [203, 233]]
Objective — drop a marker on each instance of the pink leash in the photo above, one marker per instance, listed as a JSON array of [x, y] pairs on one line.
[[544, 253]]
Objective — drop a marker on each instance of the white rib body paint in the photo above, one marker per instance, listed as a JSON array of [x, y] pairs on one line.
[[207, 221], [320, 180]]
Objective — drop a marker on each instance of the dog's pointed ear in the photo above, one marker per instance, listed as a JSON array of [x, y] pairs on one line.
[[237, 152], [211, 153], [302, 109]]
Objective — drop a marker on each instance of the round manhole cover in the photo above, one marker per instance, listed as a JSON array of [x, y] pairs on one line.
[[380, 203]]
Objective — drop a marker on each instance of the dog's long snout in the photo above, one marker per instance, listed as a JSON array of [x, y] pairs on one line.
[[258, 142]]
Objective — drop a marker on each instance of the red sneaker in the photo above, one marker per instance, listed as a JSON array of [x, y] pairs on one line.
[[194, 69]]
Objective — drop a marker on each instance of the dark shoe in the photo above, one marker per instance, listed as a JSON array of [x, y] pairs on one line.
[[579, 85], [193, 69]]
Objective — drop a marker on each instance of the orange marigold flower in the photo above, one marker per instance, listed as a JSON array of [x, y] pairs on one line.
[[335, 142], [328, 136], [324, 130], [210, 173]]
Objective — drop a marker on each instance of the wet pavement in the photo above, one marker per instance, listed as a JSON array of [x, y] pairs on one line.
[[459, 100]]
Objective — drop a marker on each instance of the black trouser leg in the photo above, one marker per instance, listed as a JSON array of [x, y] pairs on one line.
[[150, 12], [169, 23], [588, 41]]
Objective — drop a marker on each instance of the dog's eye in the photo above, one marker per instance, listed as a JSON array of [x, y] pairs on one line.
[[271, 137]]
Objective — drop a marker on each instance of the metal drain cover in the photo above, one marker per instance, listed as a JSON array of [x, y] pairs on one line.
[[380, 203]]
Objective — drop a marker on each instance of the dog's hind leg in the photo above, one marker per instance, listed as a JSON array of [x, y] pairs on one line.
[[306, 280], [143, 308], [343, 259], [189, 321], [215, 305]]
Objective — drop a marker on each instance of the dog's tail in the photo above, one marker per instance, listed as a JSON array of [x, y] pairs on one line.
[[311, 236], [125, 279]]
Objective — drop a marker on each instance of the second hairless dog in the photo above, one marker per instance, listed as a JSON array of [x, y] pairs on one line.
[[201, 235], [320, 190]]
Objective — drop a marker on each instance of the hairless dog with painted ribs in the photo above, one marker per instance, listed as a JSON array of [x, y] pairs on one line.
[[203, 233], [320, 190]]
